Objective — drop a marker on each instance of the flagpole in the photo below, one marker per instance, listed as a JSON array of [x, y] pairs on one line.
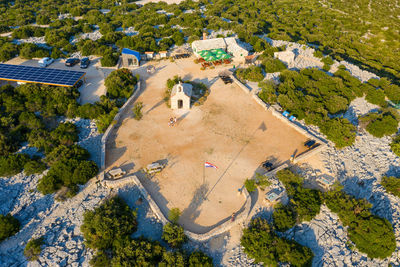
[[204, 172]]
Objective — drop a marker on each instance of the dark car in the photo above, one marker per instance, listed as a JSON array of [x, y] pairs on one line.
[[85, 62], [268, 166], [71, 62], [309, 143]]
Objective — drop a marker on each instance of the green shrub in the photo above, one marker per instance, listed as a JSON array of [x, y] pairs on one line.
[[34, 167], [172, 259], [174, 215], [381, 123], [250, 185], [12, 164], [327, 63], [109, 222], [393, 92], [318, 53], [263, 245], [375, 96], [198, 258], [33, 249], [395, 145], [252, 74], [103, 121], [268, 92], [120, 84], [137, 111], [284, 217], [109, 59], [392, 185], [174, 235], [340, 131], [9, 226], [370, 234], [271, 65]]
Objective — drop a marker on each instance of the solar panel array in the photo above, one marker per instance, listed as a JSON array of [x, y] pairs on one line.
[[40, 75]]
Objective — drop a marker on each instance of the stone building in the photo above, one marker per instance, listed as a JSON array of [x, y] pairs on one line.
[[180, 96], [130, 58]]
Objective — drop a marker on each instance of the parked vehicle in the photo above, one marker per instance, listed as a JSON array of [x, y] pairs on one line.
[[268, 166], [85, 62], [309, 143], [116, 173], [154, 167], [44, 62], [71, 62]]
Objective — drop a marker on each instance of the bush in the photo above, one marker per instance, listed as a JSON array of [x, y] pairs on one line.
[[12, 164], [392, 185], [252, 74], [34, 167], [174, 235], [174, 215], [386, 125], [120, 84], [33, 249], [261, 244], [393, 92], [250, 185], [284, 217], [271, 65], [340, 131], [109, 222], [395, 145], [137, 111], [9, 226], [109, 59], [370, 234], [327, 63], [375, 96], [268, 92], [198, 258]]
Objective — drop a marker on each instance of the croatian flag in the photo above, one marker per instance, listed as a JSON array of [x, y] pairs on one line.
[[210, 165]]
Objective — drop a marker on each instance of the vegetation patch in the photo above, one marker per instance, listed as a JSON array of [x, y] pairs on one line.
[[108, 228], [33, 249], [252, 74], [381, 123], [392, 185], [370, 234], [264, 246], [9, 226]]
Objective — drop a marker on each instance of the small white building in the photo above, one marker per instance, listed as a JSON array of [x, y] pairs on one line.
[[325, 182], [180, 96]]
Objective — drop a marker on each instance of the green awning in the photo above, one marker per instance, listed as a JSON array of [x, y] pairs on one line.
[[214, 54]]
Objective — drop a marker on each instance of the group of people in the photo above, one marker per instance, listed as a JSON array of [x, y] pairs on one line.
[[172, 121]]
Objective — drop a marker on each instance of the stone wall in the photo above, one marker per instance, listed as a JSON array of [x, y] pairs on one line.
[[241, 216], [107, 133], [295, 125]]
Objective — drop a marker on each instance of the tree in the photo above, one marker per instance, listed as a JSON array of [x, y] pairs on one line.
[[174, 235], [198, 258], [111, 221], [171, 259], [340, 131], [391, 184], [250, 185], [34, 167], [395, 145], [120, 83], [284, 217], [383, 125], [12, 164], [252, 74], [33, 248], [9, 226], [174, 215]]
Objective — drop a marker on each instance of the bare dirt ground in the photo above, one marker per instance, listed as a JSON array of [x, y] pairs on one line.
[[230, 130], [93, 87]]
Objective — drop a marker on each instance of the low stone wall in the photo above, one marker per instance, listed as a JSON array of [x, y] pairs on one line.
[[112, 125], [118, 182], [294, 125], [241, 85], [226, 226]]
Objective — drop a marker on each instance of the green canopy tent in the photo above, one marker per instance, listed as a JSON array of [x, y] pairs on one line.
[[214, 55]]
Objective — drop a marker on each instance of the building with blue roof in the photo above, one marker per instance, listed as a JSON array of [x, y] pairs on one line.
[[130, 58]]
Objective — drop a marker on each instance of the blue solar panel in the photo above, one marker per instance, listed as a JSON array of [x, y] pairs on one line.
[[40, 75]]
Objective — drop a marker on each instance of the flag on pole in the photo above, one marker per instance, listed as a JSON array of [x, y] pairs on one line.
[[210, 165]]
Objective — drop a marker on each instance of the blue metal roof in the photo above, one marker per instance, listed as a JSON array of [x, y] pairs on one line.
[[131, 52]]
